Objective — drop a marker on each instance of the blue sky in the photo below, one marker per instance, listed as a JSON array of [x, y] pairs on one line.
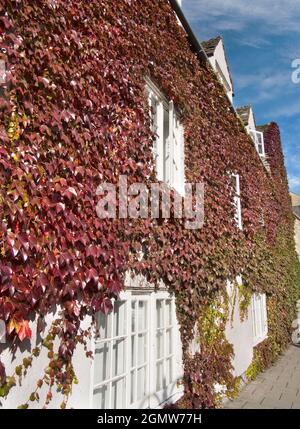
[[262, 38]]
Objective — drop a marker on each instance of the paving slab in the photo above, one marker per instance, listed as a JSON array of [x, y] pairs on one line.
[[276, 388]]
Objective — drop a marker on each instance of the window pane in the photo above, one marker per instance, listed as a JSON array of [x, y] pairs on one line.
[[166, 155], [159, 313], [254, 323], [169, 343], [133, 316], [118, 357], [118, 393], [169, 371], [159, 344], [132, 386], [133, 351], [258, 315], [104, 325], [168, 316], [154, 114], [100, 397], [142, 315], [119, 318], [141, 383], [159, 376], [265, 317], [255, 317], [142, 349], [234, 183], [260, 143], [101, 362]]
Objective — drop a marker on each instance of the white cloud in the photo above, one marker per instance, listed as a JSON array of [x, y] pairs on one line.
[[294, 181], [294, 158], [264, 79], [266, 84], [275, 16], [253, 41], [286, 111]]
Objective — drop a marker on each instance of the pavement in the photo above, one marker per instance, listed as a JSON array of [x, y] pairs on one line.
[[277, 387]]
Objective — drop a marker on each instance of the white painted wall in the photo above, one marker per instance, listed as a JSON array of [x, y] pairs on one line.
[[220, 59], [80, 397], [239, 334], [251, 123], [297, 236]]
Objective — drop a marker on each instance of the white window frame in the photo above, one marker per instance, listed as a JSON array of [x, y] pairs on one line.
[[259, 317], [258, 139], [169, 156], [237, 201], [154, 398]]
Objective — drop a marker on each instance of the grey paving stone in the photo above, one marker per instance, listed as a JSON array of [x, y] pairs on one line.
[[235, 405], [278, 387], [250, 405]]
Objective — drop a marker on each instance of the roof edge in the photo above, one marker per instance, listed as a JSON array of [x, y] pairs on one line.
[[191, 36]]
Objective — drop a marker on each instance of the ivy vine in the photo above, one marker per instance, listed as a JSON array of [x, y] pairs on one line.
[[75, 115]]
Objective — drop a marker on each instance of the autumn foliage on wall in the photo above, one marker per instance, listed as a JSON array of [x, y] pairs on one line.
[[74, 114]]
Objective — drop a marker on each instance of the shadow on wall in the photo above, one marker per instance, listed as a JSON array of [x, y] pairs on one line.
[[27, 344]]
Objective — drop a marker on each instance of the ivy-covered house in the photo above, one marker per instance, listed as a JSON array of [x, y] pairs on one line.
[[141, 311]]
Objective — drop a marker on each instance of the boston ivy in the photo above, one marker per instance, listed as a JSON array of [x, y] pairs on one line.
[[74, 114]]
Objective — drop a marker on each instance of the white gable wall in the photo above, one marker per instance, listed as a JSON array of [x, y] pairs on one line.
[[219, 59], [251, 123]]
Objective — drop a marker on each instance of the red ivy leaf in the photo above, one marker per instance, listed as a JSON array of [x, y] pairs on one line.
[[24, 330], [21, 328]]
